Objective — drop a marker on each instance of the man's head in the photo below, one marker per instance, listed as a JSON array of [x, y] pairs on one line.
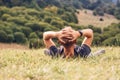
[[67, 36]]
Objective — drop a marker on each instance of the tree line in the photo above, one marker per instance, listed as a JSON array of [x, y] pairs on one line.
[[24, 24], [98, 6]]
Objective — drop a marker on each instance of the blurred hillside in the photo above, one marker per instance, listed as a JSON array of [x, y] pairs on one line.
[[99, 7], [86, 17], [24, 21]]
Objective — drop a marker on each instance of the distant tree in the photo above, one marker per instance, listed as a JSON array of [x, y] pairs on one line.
[[33, 12], [34, 43], [39, 34], [20, 37], [95, 29], [10, 38], [69, 17], [33, 35], [46, 13], [117, 37], [16, 29], [94, 13], [77, 4], [5, 17], [85, 3], [7, 3], [60, 11], [47, 19], [97, 39], [99, 11], [117, 13], [58, 24], [101, 19], [26, 31], [109, 42], [52, 9], [41, 3], [118, 3], [34, 26], [8, 30], [93, 5], [53, 2], [3, 36], [17, 20], [110, 9], [12, 3], [4, 10]]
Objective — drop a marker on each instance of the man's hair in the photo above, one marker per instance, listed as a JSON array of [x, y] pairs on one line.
[[65, 39]]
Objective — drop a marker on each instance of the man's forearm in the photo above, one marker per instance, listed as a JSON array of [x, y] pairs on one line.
[[50, 34], [47, 38], [87, 33]]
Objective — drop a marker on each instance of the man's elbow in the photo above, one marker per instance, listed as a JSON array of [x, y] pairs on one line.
[[44, 35], [91, 32]]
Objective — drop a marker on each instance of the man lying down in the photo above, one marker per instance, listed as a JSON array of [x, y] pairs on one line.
[[67, 38]]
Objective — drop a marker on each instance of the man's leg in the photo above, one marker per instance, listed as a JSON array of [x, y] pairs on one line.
[[97, 53]]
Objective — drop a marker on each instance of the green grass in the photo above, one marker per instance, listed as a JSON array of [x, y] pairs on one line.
[[34, 65]]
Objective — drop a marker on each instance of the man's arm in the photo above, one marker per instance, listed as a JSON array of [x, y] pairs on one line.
[[87, 33], [47, 38]]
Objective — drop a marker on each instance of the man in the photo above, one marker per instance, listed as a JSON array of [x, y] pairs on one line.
[[67, 38]]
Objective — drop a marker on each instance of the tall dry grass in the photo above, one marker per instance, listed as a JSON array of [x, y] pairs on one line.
[[34, 65]]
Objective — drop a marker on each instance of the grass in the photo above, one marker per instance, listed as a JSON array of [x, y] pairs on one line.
[[86, 17], [34, 65]]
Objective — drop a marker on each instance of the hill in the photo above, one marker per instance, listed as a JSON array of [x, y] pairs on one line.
[[25, 21], [99, 6], [86, 17]]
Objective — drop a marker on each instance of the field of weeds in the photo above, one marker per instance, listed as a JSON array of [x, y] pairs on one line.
[[17, 64]]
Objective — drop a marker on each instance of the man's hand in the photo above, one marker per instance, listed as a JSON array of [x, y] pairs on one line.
[[67, 35], [64, 37], [75, 35], [59, 35]]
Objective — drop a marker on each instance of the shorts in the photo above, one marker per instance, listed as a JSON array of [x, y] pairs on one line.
[[82, 51]]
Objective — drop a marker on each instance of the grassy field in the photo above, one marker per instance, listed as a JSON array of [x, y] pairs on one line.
[[86, 17], [18, 64]]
